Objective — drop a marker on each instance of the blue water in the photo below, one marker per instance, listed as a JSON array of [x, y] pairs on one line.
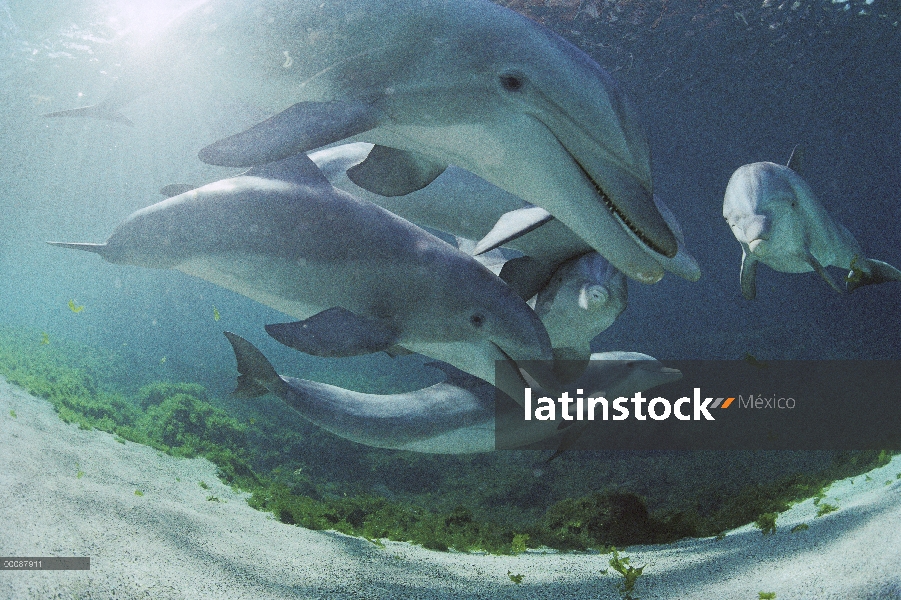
[[718, 85]]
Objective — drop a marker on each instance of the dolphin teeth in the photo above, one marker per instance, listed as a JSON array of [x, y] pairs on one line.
[[622, 217]]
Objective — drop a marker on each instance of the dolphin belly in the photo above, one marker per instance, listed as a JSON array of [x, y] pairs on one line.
[[467, 440], [434, 419]]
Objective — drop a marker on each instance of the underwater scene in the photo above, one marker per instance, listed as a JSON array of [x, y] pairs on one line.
[[293, 245]]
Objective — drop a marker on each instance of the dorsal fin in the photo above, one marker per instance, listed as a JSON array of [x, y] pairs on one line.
[[298, 168], [512, 225], [796, 160]]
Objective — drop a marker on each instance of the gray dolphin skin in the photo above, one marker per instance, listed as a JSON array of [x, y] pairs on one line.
[[466, 205], [584, 298], [778, 221], [456, 416], [431, 83], [452, 417], [360, 278]]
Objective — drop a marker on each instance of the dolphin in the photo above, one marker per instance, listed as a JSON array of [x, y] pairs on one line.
[[583, 298], [456, 416], [431, 83], [466, 206], [778, 221], [360, 278]]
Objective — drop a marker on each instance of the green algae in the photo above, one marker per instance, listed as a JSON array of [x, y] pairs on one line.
[[517, 579], [306, 477], [766, 523], [630, 574]]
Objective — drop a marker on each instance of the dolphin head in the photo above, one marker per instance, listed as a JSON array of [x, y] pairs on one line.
[[473, 319], [625, 373], [763, 209], [498, 321], [495, 93], [584, 297]]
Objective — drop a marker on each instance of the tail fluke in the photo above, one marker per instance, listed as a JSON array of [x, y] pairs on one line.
[[257, 375], [868, 271], [97, 111]]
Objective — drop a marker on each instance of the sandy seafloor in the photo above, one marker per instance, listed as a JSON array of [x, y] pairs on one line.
[[173, 542]]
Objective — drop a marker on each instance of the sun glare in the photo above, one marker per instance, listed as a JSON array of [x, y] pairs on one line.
[[146, 19]]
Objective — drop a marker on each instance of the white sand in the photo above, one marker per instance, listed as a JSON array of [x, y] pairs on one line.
[[174, 543]]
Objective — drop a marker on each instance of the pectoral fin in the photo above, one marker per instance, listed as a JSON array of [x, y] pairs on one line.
[[821, 270], [104, 110], [527, 275], [512, 225], [395, 351], [748, 275], [392, 172], [300, 128], [493, 260], [335, 332]]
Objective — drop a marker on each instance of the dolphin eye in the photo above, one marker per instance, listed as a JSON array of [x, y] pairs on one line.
[[477, 319], [512, 82]]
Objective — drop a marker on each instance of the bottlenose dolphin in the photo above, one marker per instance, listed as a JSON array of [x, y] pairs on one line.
[[456, 416], [583, 298], [360, 278], [467, 206], [431, 83], [778, 221]]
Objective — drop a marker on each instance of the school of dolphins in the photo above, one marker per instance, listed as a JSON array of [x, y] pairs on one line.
[[442, 177]]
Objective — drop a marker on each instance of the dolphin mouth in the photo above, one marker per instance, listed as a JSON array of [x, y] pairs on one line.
[[506, 355], [621, 216], [753, 244], [501, 350], [649, 231]]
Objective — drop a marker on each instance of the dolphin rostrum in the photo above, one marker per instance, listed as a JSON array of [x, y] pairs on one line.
[[360, 278], [431, 83], [456, 416], [778, 221]]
